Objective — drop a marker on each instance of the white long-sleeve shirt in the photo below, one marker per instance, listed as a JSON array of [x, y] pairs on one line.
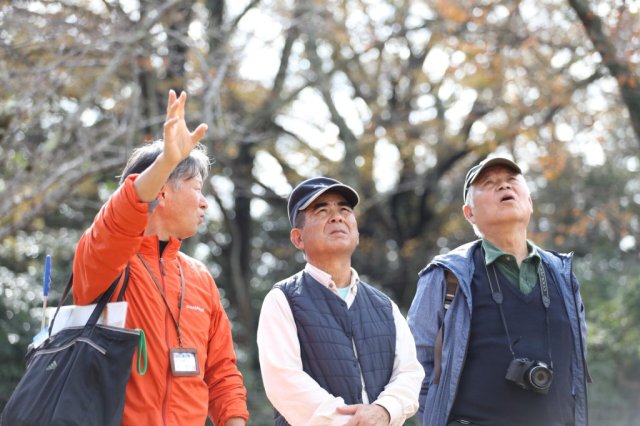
[[297, 396]]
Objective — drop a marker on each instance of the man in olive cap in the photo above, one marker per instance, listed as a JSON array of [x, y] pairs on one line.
[[333, 349], [499, 323]]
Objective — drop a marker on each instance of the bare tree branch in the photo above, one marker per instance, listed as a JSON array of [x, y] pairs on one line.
[[622, 71]]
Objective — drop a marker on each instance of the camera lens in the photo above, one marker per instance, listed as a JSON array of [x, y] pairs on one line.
[[540, 377]]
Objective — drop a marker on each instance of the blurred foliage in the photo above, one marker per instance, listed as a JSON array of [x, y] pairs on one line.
[[397, 98]]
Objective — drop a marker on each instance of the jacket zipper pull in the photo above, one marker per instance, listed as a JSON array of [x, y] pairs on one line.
[[162, 272]]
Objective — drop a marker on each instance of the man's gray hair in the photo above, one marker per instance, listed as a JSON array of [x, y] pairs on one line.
[[469, 203], [196, 164]]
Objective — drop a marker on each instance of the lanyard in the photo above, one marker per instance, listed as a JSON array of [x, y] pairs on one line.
[[183, 290]]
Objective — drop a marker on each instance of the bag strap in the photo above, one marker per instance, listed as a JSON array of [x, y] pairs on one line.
[[124, 284], [104, 299], [452, 285], [100, 304]]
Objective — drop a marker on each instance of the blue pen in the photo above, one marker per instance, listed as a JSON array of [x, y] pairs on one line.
[[45, 290]]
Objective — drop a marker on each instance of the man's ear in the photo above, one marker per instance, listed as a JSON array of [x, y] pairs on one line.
[[467, 211], [295, 235], [162, 199]]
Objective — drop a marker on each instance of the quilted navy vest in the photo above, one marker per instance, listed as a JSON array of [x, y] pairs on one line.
[[328, 331]]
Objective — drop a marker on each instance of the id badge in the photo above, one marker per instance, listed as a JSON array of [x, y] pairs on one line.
[[184, 361]]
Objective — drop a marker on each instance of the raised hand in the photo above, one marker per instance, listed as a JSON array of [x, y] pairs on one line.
[[178, 144], [178, 140]]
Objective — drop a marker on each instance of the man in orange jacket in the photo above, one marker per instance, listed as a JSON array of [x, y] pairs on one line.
[[192, 369]]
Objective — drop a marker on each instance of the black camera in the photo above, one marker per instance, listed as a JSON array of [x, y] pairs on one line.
[[530, 375]]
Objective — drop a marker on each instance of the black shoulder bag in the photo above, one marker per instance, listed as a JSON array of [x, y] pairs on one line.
[[78, 376]]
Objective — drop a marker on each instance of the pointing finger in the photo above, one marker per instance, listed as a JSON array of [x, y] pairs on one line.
[[171, 100], [172, 109], [182, 100]]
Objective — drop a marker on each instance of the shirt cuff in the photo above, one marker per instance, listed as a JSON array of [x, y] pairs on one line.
[[393, 408]]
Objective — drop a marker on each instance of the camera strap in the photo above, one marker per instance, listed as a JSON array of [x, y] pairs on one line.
[[546, 301], [498, 298]]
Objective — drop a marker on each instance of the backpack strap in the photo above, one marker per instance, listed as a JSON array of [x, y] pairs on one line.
[[450, 292]]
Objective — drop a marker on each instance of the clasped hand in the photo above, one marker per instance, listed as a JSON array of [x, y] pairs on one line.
[[366, 415]]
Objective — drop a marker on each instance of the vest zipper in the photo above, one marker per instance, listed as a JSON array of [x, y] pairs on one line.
[[364, 385]]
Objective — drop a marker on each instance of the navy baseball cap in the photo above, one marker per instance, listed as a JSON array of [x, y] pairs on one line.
[[306, 192], [476, 170]]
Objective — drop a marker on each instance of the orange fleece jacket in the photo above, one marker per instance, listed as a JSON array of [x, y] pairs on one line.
[[158, 397]]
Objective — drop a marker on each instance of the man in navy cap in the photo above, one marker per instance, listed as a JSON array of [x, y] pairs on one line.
[[499, 324], [333, 349]]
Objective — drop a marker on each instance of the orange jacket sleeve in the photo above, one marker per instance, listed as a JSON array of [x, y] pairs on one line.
[[105, 248]]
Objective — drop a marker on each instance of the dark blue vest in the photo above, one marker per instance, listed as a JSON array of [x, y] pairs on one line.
[[484, 396], [328, 330]]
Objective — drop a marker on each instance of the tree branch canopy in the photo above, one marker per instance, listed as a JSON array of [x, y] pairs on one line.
[[622, 71]]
